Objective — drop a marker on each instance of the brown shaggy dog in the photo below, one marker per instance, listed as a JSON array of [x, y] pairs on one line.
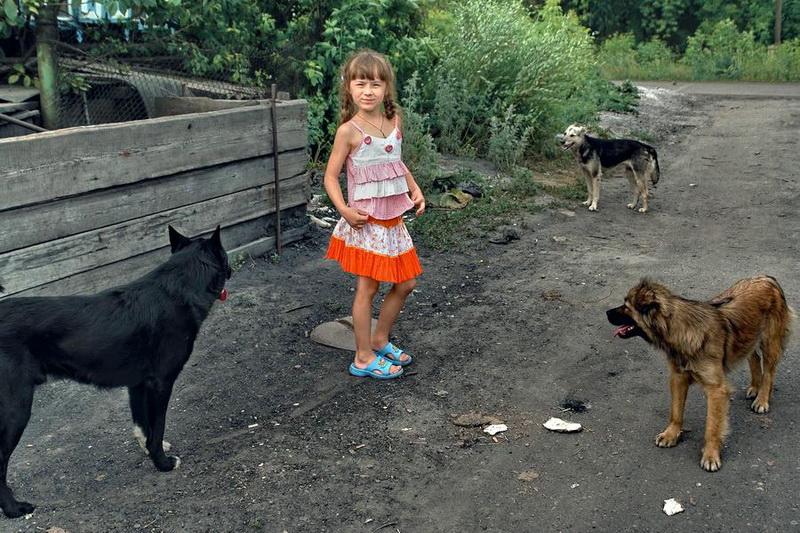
[[704, 340]]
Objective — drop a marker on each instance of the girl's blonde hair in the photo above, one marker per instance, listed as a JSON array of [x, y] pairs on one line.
[[367, 65]]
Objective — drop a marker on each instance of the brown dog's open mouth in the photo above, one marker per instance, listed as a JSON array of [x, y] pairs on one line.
[[625, 331]]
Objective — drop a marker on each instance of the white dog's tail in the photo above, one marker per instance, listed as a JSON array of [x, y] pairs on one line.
[[655, 175]]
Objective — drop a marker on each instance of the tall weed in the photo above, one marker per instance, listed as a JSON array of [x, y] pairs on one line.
[[539, 65]]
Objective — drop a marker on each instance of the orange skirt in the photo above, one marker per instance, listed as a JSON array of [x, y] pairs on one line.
[[382, 250]]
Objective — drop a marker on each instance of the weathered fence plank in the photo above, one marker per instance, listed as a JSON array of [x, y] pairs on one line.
[[37, 224], [121, 272], [43, 263], [44, 166]]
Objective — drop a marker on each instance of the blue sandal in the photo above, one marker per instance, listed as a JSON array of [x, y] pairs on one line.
[[393, 354], [379, 368]]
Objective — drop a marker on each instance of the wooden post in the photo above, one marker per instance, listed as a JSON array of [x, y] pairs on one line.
[[778, 17], [277, 177], [47, 63]]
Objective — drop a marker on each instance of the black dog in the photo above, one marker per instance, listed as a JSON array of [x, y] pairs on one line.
[[137, 336]]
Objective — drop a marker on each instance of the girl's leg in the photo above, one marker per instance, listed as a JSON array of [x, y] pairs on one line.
[[366, 288], [390, 309]]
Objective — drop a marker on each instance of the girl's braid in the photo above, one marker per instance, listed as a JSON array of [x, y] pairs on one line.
[[389, 106]]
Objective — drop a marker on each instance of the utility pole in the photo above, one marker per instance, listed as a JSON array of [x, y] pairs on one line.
[[778, 16]]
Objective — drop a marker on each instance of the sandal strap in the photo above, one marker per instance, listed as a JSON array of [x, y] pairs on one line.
[[381, 364]]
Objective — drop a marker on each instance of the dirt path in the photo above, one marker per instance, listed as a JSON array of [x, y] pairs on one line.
[[510, 331]]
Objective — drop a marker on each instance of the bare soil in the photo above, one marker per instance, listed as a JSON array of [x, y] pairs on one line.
[[274, 435]]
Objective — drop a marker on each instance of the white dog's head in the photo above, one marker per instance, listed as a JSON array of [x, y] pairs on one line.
[[572, 136]]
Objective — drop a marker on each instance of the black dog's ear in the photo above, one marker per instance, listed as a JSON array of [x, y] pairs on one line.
[[215, 238], [176, 240]]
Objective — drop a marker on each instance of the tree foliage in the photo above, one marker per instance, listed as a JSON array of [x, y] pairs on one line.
[[674, 21]]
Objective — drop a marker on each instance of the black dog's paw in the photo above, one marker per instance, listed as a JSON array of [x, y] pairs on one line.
[[17, 509], [169, 463]]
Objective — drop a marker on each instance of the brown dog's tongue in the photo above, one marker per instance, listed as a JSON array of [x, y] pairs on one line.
[[619, 330]]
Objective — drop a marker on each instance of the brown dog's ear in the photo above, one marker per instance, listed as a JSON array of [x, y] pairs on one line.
[[647, 308], [720, 302], [645, 299]]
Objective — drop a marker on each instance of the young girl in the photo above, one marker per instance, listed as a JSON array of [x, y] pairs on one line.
[[371, 240]]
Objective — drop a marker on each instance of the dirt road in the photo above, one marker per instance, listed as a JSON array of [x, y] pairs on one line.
[[510, 331]]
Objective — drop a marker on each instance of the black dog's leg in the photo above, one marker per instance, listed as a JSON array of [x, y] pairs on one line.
[[158, 395], [138, 401], [15, 400]]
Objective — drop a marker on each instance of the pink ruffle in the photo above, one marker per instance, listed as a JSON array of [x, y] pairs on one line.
[[384, 208], [376, 172]]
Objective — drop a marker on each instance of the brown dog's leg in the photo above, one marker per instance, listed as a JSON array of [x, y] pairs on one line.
[[771, 351], [678, 387], [716, 425], [755, 375]]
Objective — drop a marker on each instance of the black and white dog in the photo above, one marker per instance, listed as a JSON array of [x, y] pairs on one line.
[[594, 155], [137, 336]]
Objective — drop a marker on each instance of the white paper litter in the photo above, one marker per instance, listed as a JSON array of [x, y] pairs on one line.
[[562, 426], [672, 507], [494, 429]]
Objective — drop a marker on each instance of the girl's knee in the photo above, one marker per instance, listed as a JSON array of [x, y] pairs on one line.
[[407, 286], [367, 287]]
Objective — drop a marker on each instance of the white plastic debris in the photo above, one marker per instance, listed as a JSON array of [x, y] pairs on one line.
[[562, 426], [320, 223], [672, 507], [494, 429]]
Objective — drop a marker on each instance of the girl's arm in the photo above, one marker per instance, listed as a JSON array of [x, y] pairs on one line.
[[415, 192], [342, 145]]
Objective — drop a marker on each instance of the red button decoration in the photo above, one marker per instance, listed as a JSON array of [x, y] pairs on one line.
[[367, 140], [389, 148]]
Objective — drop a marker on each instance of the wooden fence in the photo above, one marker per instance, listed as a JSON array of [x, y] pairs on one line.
[[83, 209]]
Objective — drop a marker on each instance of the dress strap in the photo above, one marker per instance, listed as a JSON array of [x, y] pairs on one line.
[[356, 126]]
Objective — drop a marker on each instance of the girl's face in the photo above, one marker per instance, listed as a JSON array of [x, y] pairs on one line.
[[367, 94]]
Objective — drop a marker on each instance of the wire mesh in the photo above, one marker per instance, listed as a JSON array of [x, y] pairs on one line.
[[118, 89]]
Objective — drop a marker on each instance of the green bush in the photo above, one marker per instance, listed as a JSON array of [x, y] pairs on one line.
[[622, 58], [419, 150], [508, 139], [541, 66], [618, 57], [391, 27], [720, 52]]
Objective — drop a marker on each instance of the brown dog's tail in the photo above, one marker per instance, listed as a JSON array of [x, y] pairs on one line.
[[787, 311]]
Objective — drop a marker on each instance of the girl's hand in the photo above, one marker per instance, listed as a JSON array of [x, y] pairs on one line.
[[419, 201], [355, 217]]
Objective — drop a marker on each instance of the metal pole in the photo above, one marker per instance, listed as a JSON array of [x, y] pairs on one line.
[[273, 112], [22, 123]]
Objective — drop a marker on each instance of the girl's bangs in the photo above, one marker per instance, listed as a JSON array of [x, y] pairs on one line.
[[368, 68]]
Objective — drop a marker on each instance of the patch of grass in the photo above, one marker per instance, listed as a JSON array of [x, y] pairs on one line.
[[500, 204], [573, 191], [642, 135], [239, 261]]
